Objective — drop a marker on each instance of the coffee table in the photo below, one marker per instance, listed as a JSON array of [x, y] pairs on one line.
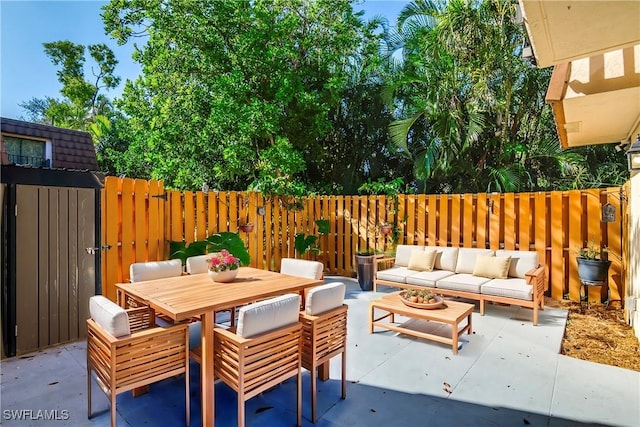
[[452, 315]]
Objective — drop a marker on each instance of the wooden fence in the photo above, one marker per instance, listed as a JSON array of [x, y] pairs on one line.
[[140, 218]]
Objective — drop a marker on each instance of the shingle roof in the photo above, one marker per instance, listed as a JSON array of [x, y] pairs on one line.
[[71, 149]]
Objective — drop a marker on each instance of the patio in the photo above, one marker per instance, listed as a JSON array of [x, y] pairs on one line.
[[506, 373]]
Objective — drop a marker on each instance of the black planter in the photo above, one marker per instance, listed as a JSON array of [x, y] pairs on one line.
[[365, 269], [593, 270]]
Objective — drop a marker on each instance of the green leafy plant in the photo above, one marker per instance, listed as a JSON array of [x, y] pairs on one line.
[[323, 226], [232, 242], [592, 251], [304, 244]]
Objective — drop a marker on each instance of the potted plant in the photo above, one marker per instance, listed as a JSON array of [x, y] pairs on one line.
[[386, 229], [223, 266], [365, 268], [247, 227], [592, 266]]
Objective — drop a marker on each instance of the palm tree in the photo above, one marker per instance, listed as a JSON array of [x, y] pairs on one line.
[[472, 114]]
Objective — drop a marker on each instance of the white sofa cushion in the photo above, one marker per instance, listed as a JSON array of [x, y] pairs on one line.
[[324, 298], [403, 254], [199, 264], [446, 257], [462, 282], [143, 271], [428, 278], [422, 260], [109, 315], [521, 261], [395, 274], [268, 315], [467, 259], [511, 288], [492, 267], [302, 268]]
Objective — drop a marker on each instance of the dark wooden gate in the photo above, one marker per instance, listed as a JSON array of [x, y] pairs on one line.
[[50, 274]]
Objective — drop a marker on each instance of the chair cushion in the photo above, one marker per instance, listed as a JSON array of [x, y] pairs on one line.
[[403, 254], [428, 278], [462, 282], [302, 268], [467, 259], [267, 315], [109, 315], [422, 260], [324, 298], [492, 267], [198, 264], [446, 257], [521, 261], [143, 271], [512, 288]]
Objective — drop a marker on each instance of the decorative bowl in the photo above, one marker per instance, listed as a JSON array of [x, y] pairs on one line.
[[223, 276], [427, 306]]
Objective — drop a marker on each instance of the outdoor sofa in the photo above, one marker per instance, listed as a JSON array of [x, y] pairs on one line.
[[502, 276]]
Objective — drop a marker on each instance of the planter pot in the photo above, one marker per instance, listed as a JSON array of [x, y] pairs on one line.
[[223, 276], [593, 270], [365, 269], [386, 229], [247, 228]]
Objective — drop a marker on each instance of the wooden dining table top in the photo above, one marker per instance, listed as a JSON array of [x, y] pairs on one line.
[[187, 296]]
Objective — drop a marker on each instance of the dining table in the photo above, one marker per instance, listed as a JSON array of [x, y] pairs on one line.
[[197, 295]]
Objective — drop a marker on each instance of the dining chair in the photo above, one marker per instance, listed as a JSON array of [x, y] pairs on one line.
[[125, 350], [324, 333], [302, 268], [262, 351], [198, 264], [143, 271]]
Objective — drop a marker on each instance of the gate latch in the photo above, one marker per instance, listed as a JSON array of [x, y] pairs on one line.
[[93, 251]]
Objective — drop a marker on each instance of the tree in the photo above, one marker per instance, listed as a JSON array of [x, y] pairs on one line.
[[223, 81], [82, 99], [473, 115]]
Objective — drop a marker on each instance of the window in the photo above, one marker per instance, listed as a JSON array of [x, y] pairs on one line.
[[26, 151]]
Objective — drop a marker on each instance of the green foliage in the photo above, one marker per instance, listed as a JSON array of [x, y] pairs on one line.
[[82, 104], [304, 244], [214, 243], [389, 188], [323, 226], [225, 82]]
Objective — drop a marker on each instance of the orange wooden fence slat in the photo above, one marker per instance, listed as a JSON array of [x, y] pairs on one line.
[[432, 212], [495, 221], [509, 221], [557, 267], [481, 221], [128, 237], [575, 225], [468, 223]]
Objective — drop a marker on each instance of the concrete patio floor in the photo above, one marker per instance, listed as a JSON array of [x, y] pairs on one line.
[[507, 373]]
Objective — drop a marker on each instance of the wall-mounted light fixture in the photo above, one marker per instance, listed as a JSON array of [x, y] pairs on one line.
[[633, 155]]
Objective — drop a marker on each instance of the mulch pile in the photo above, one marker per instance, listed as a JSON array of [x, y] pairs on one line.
[[599, 334]]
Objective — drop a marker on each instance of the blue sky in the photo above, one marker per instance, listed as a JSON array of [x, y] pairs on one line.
[[26, 72]]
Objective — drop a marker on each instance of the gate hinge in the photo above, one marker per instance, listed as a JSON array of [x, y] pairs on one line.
[[162, 196], [16, 330]]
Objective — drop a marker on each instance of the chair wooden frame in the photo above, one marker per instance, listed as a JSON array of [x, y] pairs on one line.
[[323, 337], [149, 354], [253, 365]]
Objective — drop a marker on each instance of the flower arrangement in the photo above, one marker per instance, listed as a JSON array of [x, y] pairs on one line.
[[223, 261]]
